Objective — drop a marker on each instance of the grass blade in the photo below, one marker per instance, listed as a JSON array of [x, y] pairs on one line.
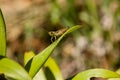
[[51, 66], [2, 35], [28, 56]]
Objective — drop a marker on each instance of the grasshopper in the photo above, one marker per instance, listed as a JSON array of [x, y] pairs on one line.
[[55, 34]]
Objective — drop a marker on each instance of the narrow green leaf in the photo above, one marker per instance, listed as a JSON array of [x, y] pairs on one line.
[[53, 67], [36, 63], [28, 56], [40, 75], [12, 70], [118, 71], [103, 73], [2, 35]]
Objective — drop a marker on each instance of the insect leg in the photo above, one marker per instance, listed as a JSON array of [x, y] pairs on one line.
[[55, 37], [52, 39]]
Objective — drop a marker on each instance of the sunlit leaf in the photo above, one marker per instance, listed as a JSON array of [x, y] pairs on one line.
[[53, 67], [118, 71], [103, 73], [12, 70], [28, 56], [40, 75]]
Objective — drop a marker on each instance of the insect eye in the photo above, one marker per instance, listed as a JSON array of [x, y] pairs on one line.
[[51, 33]]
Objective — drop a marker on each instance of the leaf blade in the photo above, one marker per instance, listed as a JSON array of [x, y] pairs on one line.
[[2, 35], [28, 56], [86, 75], [53, 67], [13, 70]]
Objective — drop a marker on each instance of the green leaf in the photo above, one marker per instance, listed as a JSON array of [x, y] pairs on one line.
[[118, 71], [40, 75], [2, 35], [53, 68], [28, 56], [103, 73], [37, 61], [12, 70]]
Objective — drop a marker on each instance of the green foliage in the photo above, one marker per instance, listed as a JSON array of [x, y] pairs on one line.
[[103, 73], [54, 69], [41, 67], [12, 70], [33, 67], [33, 63], [2, 36]]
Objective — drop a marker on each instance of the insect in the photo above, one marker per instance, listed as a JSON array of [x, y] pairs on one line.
[[55, 34]]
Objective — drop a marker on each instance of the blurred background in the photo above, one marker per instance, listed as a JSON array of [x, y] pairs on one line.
[[95, 45]]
